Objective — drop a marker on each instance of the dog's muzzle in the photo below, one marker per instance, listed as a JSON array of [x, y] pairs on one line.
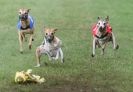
[[23, 17], [101, 29], [49, 38]]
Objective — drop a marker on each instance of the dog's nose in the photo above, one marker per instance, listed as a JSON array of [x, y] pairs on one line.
[[48, 37], [23, 16], [101, 28]]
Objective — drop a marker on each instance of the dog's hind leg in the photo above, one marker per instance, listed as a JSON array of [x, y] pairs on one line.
[[61, 55], [94, 47], [20, 35], [38, 56], [114, 42]]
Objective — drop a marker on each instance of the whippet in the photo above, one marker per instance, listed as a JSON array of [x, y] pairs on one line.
[[102, 34], [51, 46], [25, 26]]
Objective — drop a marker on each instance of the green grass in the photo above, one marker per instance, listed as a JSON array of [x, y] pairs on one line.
[[112, 72]]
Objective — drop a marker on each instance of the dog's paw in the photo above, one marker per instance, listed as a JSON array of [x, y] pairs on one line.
[[32, 39], [62, 60], [50, 59], [92, 55], [117, 47], [38, 65], [21, 52]]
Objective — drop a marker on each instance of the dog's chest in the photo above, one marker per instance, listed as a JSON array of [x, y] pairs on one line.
[[24, 24], [51, 49], [50, 46], [104, 40]]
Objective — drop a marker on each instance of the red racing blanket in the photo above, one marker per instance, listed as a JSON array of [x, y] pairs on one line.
[[94, 29]]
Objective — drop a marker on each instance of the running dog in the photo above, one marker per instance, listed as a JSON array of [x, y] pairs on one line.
[[25, 26], [102, 34], [51, 46]]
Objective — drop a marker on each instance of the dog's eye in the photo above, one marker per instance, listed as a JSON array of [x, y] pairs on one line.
[[46, 33], [52, 33]]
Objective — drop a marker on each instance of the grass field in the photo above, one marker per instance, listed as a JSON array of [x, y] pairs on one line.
[[112, 72]]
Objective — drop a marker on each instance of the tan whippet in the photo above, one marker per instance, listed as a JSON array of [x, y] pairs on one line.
[[25, 26]]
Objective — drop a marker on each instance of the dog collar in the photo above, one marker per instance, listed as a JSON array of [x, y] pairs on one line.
[[102, 36], [25, 28]]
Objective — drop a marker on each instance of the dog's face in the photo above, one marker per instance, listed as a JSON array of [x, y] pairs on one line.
[[102, 24], [23, 14], [49, 34]]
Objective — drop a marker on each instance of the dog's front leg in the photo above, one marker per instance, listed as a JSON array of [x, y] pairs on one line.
[[30, 31], [61, 55], [94, 47], [57, 54], [103, 48], [50, 59], [114, 42], [20, 35], [30, 41]]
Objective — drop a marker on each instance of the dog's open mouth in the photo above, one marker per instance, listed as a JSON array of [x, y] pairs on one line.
[[49, 40]]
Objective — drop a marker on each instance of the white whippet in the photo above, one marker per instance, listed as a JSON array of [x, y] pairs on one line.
[[51, 46], [102, 34]]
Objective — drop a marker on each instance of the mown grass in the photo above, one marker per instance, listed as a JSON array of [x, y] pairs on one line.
[[73, 18]]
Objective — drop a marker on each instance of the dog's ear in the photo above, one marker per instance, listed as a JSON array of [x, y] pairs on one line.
[[19, 11], [45, 29], [107, 18], [28, 10], [54, 29], [98, 18]]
